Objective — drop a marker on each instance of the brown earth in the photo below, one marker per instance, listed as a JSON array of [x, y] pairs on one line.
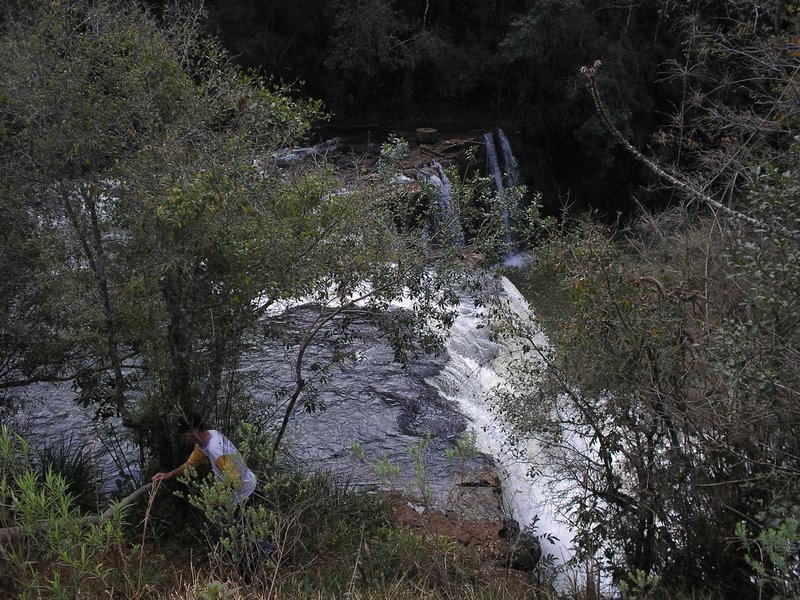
[[472, 515]]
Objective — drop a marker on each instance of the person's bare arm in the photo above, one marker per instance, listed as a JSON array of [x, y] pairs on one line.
[[177, 471], [196, 458]]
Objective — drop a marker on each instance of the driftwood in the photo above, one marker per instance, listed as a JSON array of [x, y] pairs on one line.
[[431, 151], [9, 534]]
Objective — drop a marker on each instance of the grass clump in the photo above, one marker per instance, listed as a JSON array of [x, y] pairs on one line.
[[73, 462]]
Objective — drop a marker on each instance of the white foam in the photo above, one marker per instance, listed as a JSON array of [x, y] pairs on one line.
[[474, 369]]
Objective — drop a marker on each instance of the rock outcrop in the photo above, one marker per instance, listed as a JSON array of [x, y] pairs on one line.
[[473, 515]]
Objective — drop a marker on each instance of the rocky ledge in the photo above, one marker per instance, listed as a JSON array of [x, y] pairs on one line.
[[472, 514]]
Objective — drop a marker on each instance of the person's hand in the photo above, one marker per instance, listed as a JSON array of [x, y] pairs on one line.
[[159, 477]]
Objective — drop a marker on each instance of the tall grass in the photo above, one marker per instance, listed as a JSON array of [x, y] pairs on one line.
[[73, 462]]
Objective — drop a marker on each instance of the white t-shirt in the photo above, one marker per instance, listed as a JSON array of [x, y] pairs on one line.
[[226, 462]]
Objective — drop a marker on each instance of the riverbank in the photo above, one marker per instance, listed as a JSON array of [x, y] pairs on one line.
[[332, 541]]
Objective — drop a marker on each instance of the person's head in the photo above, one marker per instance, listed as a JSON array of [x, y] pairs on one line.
[[191, 428]]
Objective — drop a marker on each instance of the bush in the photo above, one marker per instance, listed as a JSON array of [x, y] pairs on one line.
[[54, 552], [665, 404], [312, 518], [74, 464], [774, 555]]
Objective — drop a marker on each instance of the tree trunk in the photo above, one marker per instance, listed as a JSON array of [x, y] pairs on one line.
[[179, 346], [96, 258]]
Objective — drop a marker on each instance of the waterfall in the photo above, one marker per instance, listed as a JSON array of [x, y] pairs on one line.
[[509, 160], [448, 221], [493, 165], [474, 368], [508, 175], [505, 177]]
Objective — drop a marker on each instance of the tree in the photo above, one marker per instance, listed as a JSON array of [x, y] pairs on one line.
[[82, 89], [151, 163], [669, 399], [571, 152], [373, 49]]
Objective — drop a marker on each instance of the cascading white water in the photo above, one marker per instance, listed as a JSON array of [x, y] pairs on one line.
[[509, 160], [505, 177], [449, 219], [475, 367], [492, 162]]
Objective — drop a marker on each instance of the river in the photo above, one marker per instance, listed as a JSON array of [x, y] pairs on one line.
[[370, 401]]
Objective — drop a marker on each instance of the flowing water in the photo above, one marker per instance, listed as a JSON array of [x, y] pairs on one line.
[[48, 416], [493, 163], [509, 160], [476, 365], [448, 219], [504, 176], [371, 401]]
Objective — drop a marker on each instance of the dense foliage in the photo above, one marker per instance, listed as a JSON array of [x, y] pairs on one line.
[[152, 233], [668, 403]]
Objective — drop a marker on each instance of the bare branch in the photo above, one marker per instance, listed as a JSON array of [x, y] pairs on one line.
[[680, 182], [10, 534]]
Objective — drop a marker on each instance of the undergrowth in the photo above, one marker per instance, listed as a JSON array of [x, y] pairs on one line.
[[334, 541]]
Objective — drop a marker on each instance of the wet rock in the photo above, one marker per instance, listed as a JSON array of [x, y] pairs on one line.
[[427, 135], [525, 549], [485, 479], [526, 552]]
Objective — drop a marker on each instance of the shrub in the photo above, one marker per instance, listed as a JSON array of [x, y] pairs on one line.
[[665, 404], [55, 553], [774, 555]]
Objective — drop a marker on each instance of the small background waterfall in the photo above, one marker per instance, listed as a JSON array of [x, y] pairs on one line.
[[446, 225], [505, 175]]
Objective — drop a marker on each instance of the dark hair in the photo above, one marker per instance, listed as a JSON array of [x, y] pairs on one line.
[[191, 422]]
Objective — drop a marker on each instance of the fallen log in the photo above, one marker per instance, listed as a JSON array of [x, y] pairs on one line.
[[9, 534]]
